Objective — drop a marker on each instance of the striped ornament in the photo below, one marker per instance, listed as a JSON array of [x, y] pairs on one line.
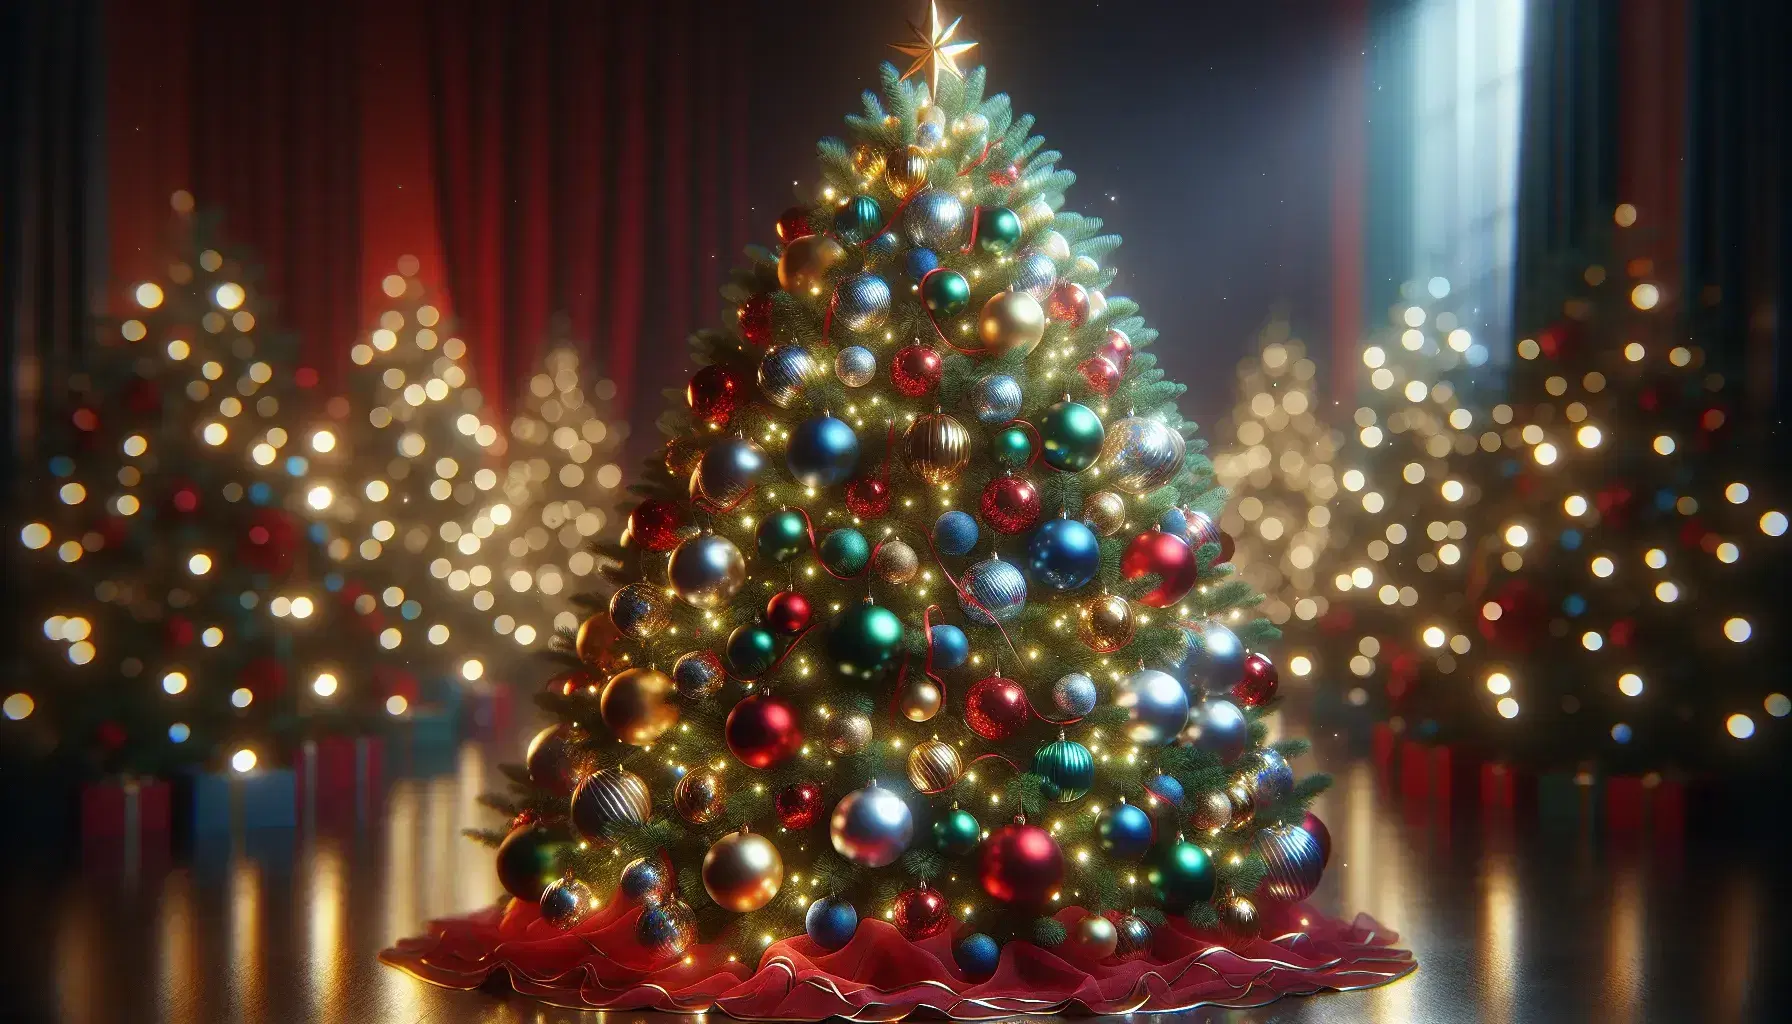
[[934, 766], [1066, 768], [1293, 861], [612, 795]]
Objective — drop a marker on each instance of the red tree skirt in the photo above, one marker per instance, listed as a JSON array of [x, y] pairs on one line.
[[880, 976]]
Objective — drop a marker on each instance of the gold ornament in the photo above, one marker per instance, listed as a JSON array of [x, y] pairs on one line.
[[1034, 216], [682, 456], [1105, 511], [1244, 806], [698, 796], [1105, 623], [1010, 322], [849, 734], [1092, 939], [868, 160], [806, 263], [743, 871], [919, 700], [934, 49], [934, 766], [905, 171], [937, 448], [636, 705], [596, 643], [1212, 812], [896, 562], [1238, 917]]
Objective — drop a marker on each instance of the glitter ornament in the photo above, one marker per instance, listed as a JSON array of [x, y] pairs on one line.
[[558, 759], [1066, 770], [567, 901], [977, 955], [698, 797], [895, 562], [799, 805], [994, 591], [1156, 553], [656, 525], [1165, 788], [955, 533], [646, 880], [1259, 683], [919, 699], [781, 536], [713, 394], [934, 218], [1010, 505], [528, 861], [793, 224], [762, 731], [822, 451], [945, 293], [1156, 707], [785, 374], [996, 707], [728, 470], [612, 796], [1068, 304], [831, 922], [637, 705], [1092, 939], [1218, 727], [862, 303], [665, 931], [743, 871], [871, 827], [1105, 512], [706, 571], [1073, 436], [1010, 322], [1269, 776], [1035, 274], [1211, 812], [868, 161], [920, 912], [1021, 864], [638, 611], [921, 262], [1293, 862], [855, 365], [916, 370], [848, 734], [754, 317], [1140, 454], [996, 399], [868, 497], [1063, 554], [751, 651], [788, 613], [1074, 696], [1102, 376], [805, 264], [1104, 623], [937, 448]]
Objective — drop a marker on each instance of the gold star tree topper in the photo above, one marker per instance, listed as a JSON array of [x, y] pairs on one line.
[[934, 49]]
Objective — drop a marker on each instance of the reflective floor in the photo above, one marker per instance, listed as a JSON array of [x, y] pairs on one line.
[[1511, 921]]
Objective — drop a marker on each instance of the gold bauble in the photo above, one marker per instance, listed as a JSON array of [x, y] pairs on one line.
[[1105, 511], [849, 734], [596, 642], [1210, 812], [934, 766], [1244, 806], [743, 871], [637, 705], [806, 263], [1238, 917], [1011, 322], [937, 448], [682, 456], [895, 562], [1105, 623], [1092, 939], [867, 160], [905, 171], [698, 796], [1034, 215], [919, 700]]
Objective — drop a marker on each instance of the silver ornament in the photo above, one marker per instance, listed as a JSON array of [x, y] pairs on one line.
[[728, 469], [1035, 273], [645, 880], [862, 302], [698, 674], [848, 734], [606, 797], [1218, 727], [1140, 454], [934, 218], [929, 135], [895, 562], [1074, 695], [707, 570], [1135, 937], [999, 590], [871, 827], [1156, 707], [1215, 659], [1105, 512], [667, 930], [1293, 861], [785, 373], [996, 399], [884, 245], [566, 902], [1271, 778], [856, 365]]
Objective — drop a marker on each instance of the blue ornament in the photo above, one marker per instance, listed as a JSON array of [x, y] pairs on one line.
[[1074, 695], [1063, 554], [1175, 523], [1218, 727], [921, 262], [955, 533], [823, 451], [1156, 707], [1165, 788], [950, 646], [884, 245], [999, 590], [977, 956], [831, 922], [862, 302], [1126, 831], [997, 399]]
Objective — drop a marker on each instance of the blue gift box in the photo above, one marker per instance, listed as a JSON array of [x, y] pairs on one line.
[[226, 801]]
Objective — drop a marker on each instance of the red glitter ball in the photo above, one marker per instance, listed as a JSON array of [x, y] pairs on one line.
[[1005, 177], [1116, 348], [868, 497], [1259, 683], [755, 317], [713, 394], [996, 708], [920, 912], [1010, 505], [788, 612], [656, 524], [793, 224], [799, 805], [1102, 376], [1068, 304], [916, 370]]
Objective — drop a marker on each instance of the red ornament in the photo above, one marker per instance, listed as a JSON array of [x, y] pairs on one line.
[[793, 224], [183, 498], [916, 370], [762, 731], [178, 631], [1020, 864], [1005, 177], [1116, 348], [788, 613], [799, 805], [713, 394], [524, 818], [656, 524], [1102, 376], [1259, 683], [755, 316], [920, 912], [1068, 304], [996, 708], [1316, 828], [264, 677], [269, 543], [1166, 556], [1203, 530], [868, 497], [1010, 505], [576, 681]]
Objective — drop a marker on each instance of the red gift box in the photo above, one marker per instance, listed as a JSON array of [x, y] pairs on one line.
[[125, 821], [338, 778]]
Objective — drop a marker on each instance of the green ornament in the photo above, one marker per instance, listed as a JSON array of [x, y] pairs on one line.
[[1182, 877], [864, 640], [529, 859], [957, 833], [1072, 434], [845, 551], [1066, 770], [946, 293], [782, 536], [1013, 447], [998, 229], [858, 218], [751, 651]]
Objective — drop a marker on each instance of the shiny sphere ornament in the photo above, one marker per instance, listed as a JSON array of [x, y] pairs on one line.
[[823, 451], [996, 707], [1074, 695], [1140, 455], [1182, 876], [868, 161], [934, 218], [1105, 512], [728, 470], [1066, 770], [1102, 376], [788, 613], [1166, 556], [905, 171], [1054, 245], [1216, 659], [996, 399], [1156, 707], [1010, 322], [862, 303], [1322, 835], [806, 262], [868, 497], [998, 230], [945, 293], [855, 365], [916, 370], [1021, 865], [1126, 831], [1035, 274], [919, 699], [831, 922], [977, 955], [1218, 727], [646, 880], [1104, 623], [699, 796], [949, 645], [1068, 304], [936, 448], [798, 805], [883, 247], [920, 912], [707, 570], [864, 640], [752, 650], [611, 796], [1244, 806], [871, 827], [1211, 812], [956, 832], [1259, 682], [698, 674], [934, 766], [1133, 937], [1073, 436], [1270, 777], [782, 536], [567, 901], [793, 224], [955, 533], [762, 731], [667, 929], [858, 218], [596, 640], [637, 705], [713, 394], [1091, 939], [994, 591], [1116, 348], [1036, 214], [895, 562], [1293, 862], [1175, 522], [786, 373], [743, 871], [845, 551], [848, 734], [921, 262], [1165, 788], [657, 525], [1199, 529], [1010, 505], [1098, 302], [1063, 554], [755, 318], [639, 610], [558, 758], [1238, 917], [528, 861]]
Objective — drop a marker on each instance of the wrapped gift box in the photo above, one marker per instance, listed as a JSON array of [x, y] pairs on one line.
[[229, 801], [338, 778]]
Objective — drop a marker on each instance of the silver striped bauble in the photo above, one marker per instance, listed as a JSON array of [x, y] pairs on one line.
[[934, 766], [612, 795], [856, 365], [1140, 454], [1270, 777], [934, 218], [1035, 274], [999, 589], [996, 399], [862, 303], [785, 373], [1201, 529], [1293, 862]]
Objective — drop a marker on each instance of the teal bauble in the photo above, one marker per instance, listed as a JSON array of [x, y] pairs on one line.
[[752, 650], [858, 219], [1066, 770], [1013, 447], [845, 551], [1072, 434], [998, 229], [956, 833], [945, 293], [782, 536], [1182, 877], [864, 640]]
